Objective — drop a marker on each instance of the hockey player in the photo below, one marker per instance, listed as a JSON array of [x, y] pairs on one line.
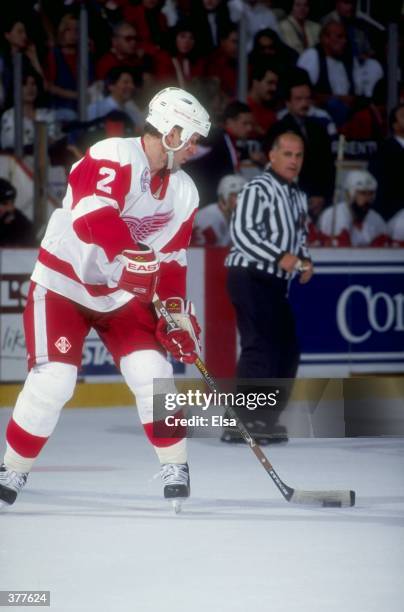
[[211, 227], [123, 231], [353, 222]]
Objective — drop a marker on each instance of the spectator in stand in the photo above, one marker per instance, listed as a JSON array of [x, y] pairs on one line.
[[211, 225], [262, 98], [298, 75], [389, 166], [316, 177], [180, 64], [336, 82], [102, 16], [121, 88], [208, 91], [210, 18], [269, 47], [369, 119], [396, 229], [124, 52], [297, 31], [358, 31], [256, 14], [31, 97], [149, 23], [15, 228], [353, 222], [224, 153], [222, 63], [62, 69], [15, 40], [325, 67]]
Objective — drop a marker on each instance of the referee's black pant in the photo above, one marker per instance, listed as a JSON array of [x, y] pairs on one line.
[[269, 347]]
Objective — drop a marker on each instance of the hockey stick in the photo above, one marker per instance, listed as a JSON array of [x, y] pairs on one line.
[[338, 167], [334, 499]]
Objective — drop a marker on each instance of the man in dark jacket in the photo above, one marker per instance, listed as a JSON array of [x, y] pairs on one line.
[[317, 173], [225, 153], [15, 228], [389, 165]]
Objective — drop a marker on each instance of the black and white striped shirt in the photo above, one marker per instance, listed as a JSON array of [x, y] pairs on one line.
[[270, 220]]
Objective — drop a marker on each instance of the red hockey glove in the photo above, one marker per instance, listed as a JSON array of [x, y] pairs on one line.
[[182, 343], [140, 273]]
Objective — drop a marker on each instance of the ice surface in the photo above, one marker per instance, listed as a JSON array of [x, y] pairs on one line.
[[91, 525]]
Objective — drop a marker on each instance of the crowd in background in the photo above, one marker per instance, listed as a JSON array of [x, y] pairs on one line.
[[316, 68]]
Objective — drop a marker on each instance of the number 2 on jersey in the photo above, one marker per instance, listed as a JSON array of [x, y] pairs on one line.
[[109, 175]]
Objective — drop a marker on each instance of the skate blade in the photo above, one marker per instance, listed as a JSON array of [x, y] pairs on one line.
[[177, 505]]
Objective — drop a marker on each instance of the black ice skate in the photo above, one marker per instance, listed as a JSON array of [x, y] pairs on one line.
[[175, 477], [11, 484]]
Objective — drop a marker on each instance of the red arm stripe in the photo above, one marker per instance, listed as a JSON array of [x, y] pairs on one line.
[[172, 280], [106, 229]]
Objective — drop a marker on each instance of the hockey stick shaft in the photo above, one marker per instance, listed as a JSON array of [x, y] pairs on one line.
[[324, 498], [338, 167]]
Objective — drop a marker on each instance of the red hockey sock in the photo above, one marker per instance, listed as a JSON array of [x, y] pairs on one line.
[[162, 435], [22, 442]]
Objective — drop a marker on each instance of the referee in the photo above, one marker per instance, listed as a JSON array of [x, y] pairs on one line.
[[268, 231]]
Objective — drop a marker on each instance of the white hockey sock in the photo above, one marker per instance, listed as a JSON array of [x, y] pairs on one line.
[[16, 462], [177, 453]]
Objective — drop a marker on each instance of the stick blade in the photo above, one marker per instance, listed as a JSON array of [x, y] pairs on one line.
[[324, 499]]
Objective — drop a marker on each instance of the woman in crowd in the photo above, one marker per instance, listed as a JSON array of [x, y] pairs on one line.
[[297, 31], [16, 40], [32, 111], [180, 64], [269, 47], [62, 69]]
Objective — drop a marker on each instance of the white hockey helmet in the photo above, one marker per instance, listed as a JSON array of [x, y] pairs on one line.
[[230, 183], [359, 180], [174, 106]]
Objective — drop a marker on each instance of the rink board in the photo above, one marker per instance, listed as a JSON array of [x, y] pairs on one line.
[[350, 317]]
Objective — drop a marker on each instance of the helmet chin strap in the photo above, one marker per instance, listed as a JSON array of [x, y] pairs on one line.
[[170, 152]]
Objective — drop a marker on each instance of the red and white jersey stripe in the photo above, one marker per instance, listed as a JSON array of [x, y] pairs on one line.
[[111, 204]]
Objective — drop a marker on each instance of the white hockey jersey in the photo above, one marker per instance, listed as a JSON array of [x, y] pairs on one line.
[[211, 227], [396, 228], [111, 204], [372, 231]]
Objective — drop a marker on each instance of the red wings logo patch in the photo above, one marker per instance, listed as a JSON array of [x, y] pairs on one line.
[[140, 229]]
